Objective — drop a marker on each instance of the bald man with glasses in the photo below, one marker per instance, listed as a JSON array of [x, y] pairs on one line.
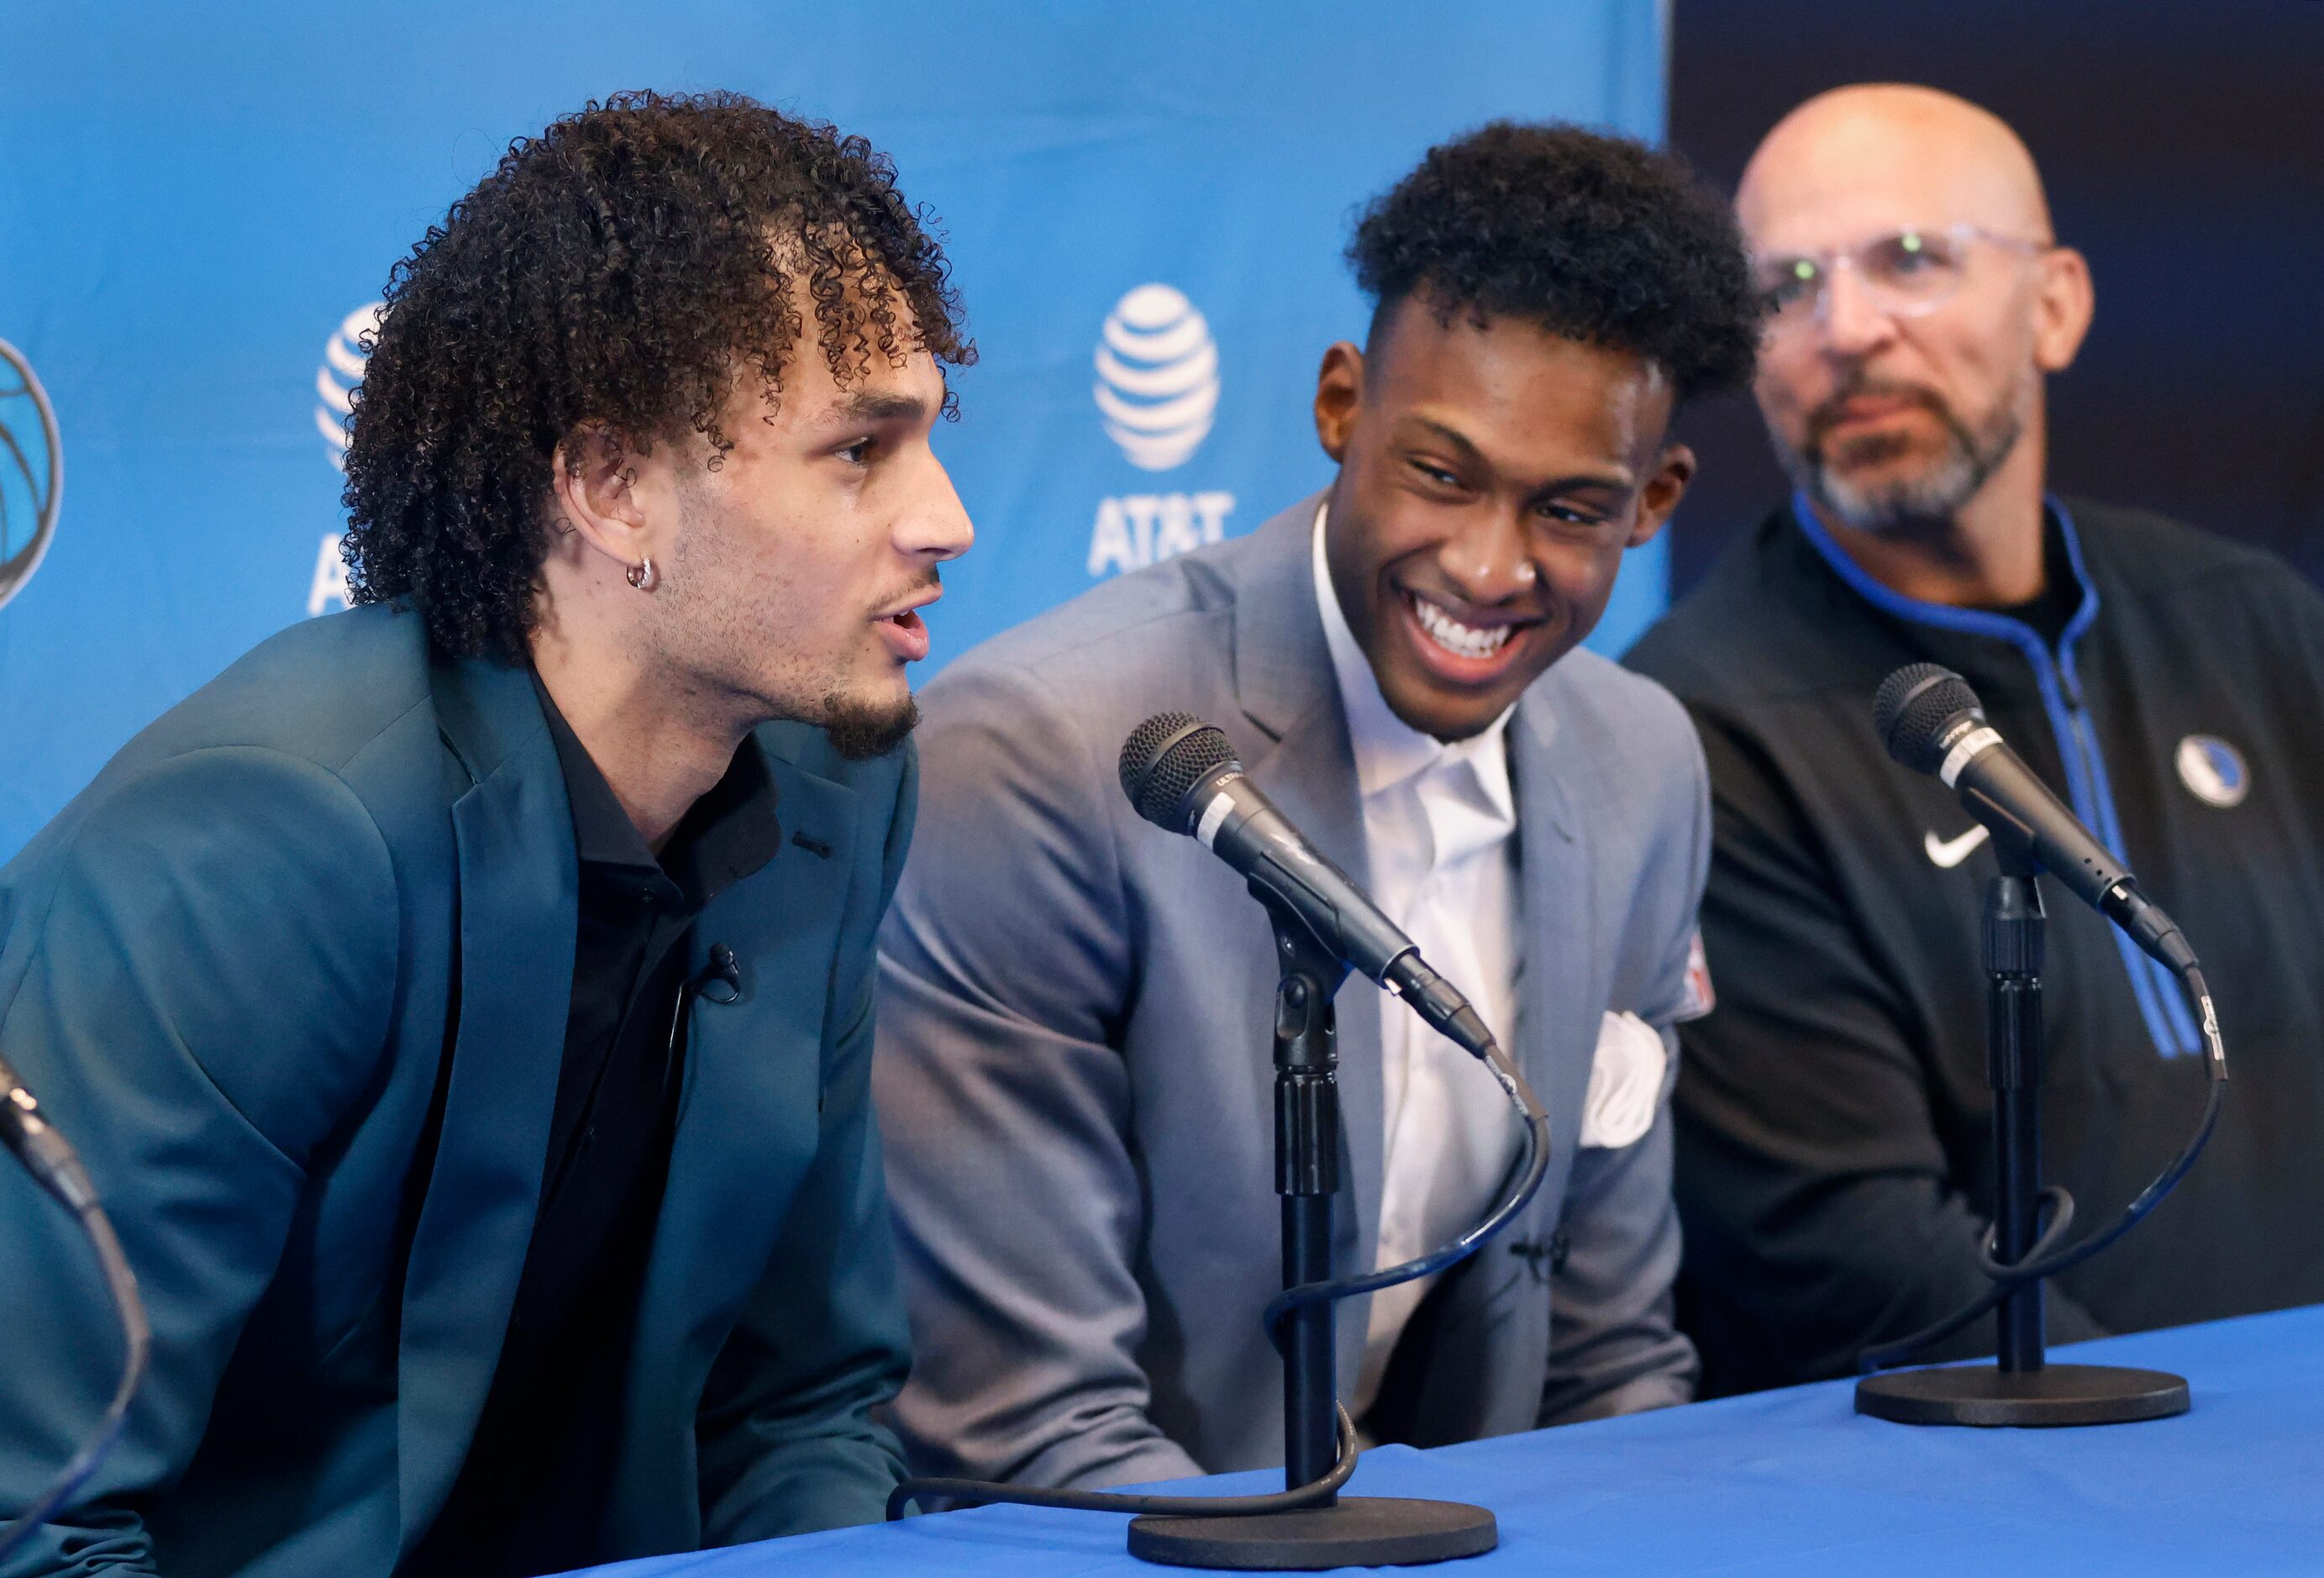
[[1834, 1163]]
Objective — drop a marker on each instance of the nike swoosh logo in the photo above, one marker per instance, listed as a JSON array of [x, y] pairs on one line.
[[1950, 853]]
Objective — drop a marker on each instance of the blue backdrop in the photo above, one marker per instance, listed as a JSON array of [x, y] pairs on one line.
[[1146, 207]]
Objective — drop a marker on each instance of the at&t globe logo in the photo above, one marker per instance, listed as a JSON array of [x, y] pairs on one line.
[[31, 472], [334, 381], [1157, 394], [1157, 372]]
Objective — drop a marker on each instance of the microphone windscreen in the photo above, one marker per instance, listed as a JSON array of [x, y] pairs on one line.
[[1911, 708], [1162, 758]]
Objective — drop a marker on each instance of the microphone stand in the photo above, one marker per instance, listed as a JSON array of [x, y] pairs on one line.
[[1358, 1531], [2020, 1387]]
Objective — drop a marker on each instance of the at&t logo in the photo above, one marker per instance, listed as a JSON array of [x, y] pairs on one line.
[[1137, 529], [343, 356], [1157, 394], [1158, 377]]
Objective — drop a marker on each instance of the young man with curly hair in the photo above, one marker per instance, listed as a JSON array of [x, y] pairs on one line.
[[1078, 1103], [463, 1003]]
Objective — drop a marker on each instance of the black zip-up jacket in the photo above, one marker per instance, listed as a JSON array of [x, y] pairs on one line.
[[1835, 1169]]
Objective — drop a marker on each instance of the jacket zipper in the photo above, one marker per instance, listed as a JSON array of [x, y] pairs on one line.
[[2157, 995], [2168, 1022]]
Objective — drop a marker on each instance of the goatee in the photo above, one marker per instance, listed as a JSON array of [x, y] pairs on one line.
[[860, 731], [1935, 493]]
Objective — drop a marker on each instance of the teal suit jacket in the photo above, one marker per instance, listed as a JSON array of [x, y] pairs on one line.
[[235, 970]]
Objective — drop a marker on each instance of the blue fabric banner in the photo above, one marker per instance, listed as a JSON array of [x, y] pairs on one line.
[[1146, 208]]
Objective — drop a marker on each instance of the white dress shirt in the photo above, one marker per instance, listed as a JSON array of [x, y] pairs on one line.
[[1438, 826]]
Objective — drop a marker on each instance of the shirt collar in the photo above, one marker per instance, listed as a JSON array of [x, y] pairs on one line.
[[1983, 622], [1389, 750], [726, 835]]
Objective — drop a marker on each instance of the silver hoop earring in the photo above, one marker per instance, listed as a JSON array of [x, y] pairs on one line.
[[642, 575]]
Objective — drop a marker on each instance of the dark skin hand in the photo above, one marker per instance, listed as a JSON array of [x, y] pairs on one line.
[[1491, 478]]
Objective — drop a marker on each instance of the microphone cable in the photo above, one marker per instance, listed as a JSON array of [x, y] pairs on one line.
[[1528, 1181], [2040, 1262], [59, 1172]]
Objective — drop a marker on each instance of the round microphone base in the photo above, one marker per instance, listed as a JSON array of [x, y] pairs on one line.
[[2056, 1394], [1356, 1531]]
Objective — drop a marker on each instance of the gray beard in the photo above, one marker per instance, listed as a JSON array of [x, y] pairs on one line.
[[1933, 496]]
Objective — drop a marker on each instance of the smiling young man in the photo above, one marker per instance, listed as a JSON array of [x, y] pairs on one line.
[[464, 1003], [1835, 1167], [1073, 1069]]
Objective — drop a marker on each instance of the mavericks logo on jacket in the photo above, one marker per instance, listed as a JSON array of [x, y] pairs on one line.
[[2213, 770]]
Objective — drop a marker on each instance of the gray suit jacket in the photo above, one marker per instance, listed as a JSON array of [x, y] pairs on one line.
[[1073, 1073]]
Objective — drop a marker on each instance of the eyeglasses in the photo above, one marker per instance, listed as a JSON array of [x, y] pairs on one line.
[[1904, 274]]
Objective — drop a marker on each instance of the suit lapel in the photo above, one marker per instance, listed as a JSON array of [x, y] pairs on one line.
[[747, 1129], [519, 909], [1561, 908], [1282, 663], [1284, 684]]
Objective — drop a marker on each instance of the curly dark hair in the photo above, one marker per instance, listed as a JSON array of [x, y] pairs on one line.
[[1596, 238], [621, 269]]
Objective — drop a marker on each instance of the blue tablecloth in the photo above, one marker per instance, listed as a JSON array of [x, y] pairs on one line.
[[1783, 1482]]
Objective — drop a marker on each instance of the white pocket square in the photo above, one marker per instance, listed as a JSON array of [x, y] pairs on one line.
[[1626, 1083]]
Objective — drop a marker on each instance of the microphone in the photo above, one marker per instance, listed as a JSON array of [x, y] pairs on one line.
[[1181, 774], [42, 1150], [58, 1171], [1931, 721]]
